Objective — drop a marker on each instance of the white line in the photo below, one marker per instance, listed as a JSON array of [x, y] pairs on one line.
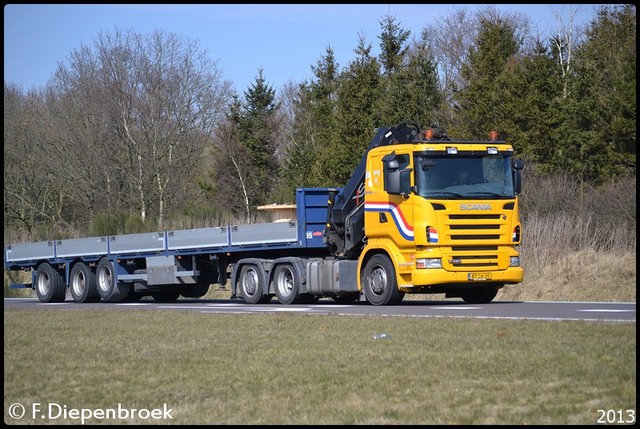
[[455, 308], [605, 310]]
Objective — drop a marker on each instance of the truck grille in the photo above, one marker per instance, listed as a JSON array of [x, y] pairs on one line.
[[461, 233]]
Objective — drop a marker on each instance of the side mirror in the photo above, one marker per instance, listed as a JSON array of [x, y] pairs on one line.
[[518, 165], [398, 182]]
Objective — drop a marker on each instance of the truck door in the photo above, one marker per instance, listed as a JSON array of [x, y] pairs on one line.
[[389, 215]]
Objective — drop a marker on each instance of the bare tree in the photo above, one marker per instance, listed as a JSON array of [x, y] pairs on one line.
[[564, 43], [232, 175], [159, 97]]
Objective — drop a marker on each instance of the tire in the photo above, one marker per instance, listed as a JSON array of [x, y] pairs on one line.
[[251, 284], [379, 281], [287, 284], [481, 295], [50, 285], [108, 288], [82, 283]]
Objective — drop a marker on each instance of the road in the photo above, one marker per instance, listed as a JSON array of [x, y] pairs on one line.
[[514, 310]]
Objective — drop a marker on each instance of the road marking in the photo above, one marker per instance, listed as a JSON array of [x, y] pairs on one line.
[[455, 308], [605, 310]]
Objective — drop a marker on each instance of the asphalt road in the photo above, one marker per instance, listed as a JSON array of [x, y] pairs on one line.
[[514, 310]]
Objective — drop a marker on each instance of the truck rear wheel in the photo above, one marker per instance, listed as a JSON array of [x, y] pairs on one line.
[[287, 284], [82, 283], [251, 283], [109, 289], [379, 281], [50, 285]]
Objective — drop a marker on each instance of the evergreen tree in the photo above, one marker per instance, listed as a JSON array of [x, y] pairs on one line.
[[605, 115], [480, 102], [392, 44], [412, 92], [535, 113], [313, 125], [258, 130], [358, 114]]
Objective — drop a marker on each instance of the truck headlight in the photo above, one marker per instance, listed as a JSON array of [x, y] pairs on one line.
[[428, 263], [514, 261]]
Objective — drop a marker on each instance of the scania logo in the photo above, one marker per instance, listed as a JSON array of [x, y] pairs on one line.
[[475, 206]]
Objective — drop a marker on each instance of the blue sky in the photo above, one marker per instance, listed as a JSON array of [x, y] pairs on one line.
[[283, 40]]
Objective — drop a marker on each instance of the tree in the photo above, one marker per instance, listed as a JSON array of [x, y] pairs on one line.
[[605, 93], [480, 102], [392, 44], [159, 97], [314, 113], [258, 126], [358, 113]]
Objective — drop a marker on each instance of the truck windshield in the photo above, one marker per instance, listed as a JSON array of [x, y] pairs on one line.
[[461, 176]]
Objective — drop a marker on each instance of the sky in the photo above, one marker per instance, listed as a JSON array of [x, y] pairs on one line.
[[282, 40]]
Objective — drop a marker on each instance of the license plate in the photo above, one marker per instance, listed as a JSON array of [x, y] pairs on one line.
[[479, 276]]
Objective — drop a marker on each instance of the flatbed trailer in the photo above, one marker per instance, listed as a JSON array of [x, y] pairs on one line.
[[168, 264]]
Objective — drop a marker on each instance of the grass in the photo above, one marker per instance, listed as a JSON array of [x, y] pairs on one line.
[[302, 369]]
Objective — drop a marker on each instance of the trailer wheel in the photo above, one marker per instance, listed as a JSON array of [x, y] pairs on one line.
[[287, 284], [379, 281], [109, 289], [82, 283], [481, 295], [251, 283], [50, 285]]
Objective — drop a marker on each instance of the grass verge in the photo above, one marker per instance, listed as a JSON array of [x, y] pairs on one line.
[[302, 369]]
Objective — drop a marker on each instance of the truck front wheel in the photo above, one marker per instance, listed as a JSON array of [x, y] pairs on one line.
[[50, 285], [379, 281]]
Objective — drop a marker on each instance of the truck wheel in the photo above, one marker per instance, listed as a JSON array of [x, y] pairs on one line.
[[251, 284], [108, 288], [50, 285], [379, 281], [287, 284], [82, 283], [481, 295]]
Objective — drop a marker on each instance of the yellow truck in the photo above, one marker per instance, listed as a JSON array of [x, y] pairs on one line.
[[421, 214], [430, 215]]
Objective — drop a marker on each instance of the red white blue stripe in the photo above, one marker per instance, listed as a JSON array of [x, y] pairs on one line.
[[405, 230]]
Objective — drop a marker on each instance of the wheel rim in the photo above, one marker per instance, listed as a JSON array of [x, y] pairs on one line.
[[378, 280], [285, 282], [105, 279], [78, 284], [44, 283], [250, 282]]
